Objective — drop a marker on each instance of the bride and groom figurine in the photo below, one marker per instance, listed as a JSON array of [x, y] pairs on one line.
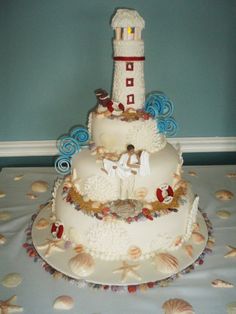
[[131, 163]]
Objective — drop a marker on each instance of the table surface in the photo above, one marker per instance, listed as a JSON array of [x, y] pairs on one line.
[[38, 289]]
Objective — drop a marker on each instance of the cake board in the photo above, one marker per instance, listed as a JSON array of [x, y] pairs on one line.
[[104, 274]]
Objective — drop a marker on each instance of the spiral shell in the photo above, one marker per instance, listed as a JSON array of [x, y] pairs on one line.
[[82, 264], [42, 224], [224, 195], [177, 306], [63, 302], [134, 252], [39, 186], [198, 238], [166, 263]]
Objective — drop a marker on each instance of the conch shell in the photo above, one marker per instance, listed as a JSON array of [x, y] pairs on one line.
[[166, 263], [177, 306], [82, 264]]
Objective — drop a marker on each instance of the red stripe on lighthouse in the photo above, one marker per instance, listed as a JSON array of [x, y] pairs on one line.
[[129, 58]]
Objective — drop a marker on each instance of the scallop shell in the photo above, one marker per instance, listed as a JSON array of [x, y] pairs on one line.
[[5, 215], [42, 224], [218, 283], [39, 186], [11, 280], [18, 177], [188, 250], [63, 302], [134, 252], [165, 263], [198, 238], [231, 308], [2, 239], [177, 306], [2, 194], [224, 195], [82, 264], [223, 214]]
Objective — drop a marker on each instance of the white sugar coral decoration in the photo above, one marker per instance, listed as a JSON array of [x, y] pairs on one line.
[[177, 306]]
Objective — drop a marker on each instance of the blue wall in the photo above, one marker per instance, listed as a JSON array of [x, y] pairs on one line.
[[55, 53]]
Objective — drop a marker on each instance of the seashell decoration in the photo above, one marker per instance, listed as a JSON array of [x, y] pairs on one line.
[[224, 195], [178, 240], [231, 308], [18, 177], [39, 186], [42, 224], [11, 280], [63, 302], [188, 249], [198, 238], [177, 306], [231, 175], [134, 252], [82, 264], [219, 283], [2, 194], [196, 227], [5, 215], [232, 252], [57, 275], [192, 173], [210, 243], [223, 214], [2, 239], [32, 196], [165, 263], [79, 248], [96, 205]]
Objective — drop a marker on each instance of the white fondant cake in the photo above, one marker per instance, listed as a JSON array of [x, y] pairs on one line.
[[125, 198]]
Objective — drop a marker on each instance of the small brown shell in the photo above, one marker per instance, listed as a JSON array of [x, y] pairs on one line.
[[166, 263], [178, 240], [42, 224], [32, 196], [223, 214], [231, 175], [79, 248], [177, 306], [192, 173], [63, 302], [39, 186], [219, 283], [134, 252], [82, 264], [210, 243], [224, 195], [196, 227], [2, 239], [188, 250], [2, 194], [5, 215], [18, 177], [198, 238]]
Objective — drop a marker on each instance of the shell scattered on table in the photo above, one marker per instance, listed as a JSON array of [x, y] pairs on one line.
[[188, 249], [42, 223], [63, 302], [210, 243], [2, 194], [198, 238], [18, 177], [177, 306], [192, 173], [5, 215], [6, 306], [134, 252], [219, 283], [223, 214], [82, 264], [231, 175], [2, 239], [32, 196], [165, 263], [196, 227], [11, 280], [232, 252], [231, 308], [39, 186], [224, 195]]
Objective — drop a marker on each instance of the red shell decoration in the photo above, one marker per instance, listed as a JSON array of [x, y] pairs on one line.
[[57, 230], [165, 194]]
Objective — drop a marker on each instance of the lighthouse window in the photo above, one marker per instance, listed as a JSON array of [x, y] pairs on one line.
[[129, 82], [130, 99], [129, 66]]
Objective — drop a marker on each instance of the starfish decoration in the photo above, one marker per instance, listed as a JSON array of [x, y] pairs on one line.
[[127, 270], [6, 306], [232, 252], [51, 245]]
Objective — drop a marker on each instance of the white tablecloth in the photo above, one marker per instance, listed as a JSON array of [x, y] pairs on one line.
[[38, 289]]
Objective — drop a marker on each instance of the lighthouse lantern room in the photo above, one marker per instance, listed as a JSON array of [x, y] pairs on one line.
[[128, 79]]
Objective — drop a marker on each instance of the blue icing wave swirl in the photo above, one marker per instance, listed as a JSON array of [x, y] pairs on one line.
[[80, 134], [68, 146], [167, 126], [63, 165]]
